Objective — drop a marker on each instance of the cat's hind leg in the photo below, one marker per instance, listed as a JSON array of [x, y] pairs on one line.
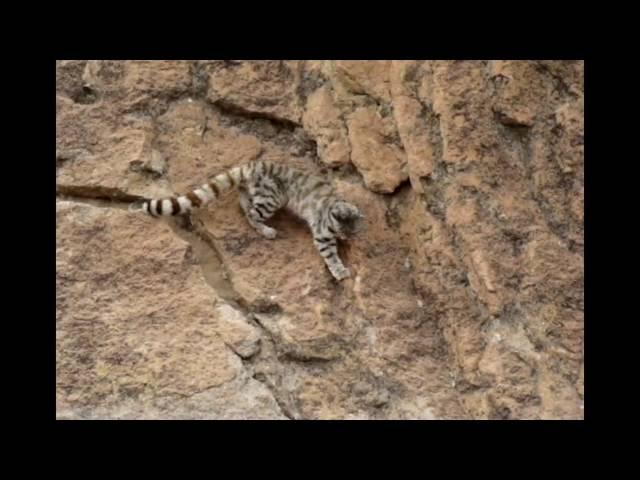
[[257, 213]]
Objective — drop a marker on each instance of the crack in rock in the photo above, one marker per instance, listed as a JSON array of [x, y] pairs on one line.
[[97, 192]]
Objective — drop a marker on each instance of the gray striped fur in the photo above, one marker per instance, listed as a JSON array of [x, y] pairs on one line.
[[265, 188]]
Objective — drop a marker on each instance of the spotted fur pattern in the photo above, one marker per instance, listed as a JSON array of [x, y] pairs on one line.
[[265, 188]]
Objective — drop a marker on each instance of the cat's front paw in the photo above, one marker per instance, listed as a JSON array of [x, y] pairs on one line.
[[269, 233], [341, 274]]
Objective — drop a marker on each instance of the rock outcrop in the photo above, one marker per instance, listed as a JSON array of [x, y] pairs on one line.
[[467, 296]]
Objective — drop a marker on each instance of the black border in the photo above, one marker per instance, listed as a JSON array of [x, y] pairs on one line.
[[460, 432]]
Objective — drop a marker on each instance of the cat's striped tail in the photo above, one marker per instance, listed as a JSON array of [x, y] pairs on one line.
[[202, 195]]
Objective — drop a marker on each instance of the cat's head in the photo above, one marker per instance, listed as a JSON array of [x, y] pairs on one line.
[[346, 218]]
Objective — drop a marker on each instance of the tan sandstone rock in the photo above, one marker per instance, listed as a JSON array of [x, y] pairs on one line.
[[467, 292], [136, 324], [323, 120], [370, 77], [262, 87], [381, 162]]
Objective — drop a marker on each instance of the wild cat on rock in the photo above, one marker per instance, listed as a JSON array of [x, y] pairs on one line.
[[266, 187]]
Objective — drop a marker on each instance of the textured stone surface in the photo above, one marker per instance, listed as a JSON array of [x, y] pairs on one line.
[[259, 87], [322, 119], [467, 297], [360, 77], [138, 332], [412, 120], [375, 152]]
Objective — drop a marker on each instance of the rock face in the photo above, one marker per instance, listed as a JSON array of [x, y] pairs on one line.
[[467, 297]]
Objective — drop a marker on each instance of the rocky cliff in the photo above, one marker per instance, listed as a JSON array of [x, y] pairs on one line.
[[467, 298]]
